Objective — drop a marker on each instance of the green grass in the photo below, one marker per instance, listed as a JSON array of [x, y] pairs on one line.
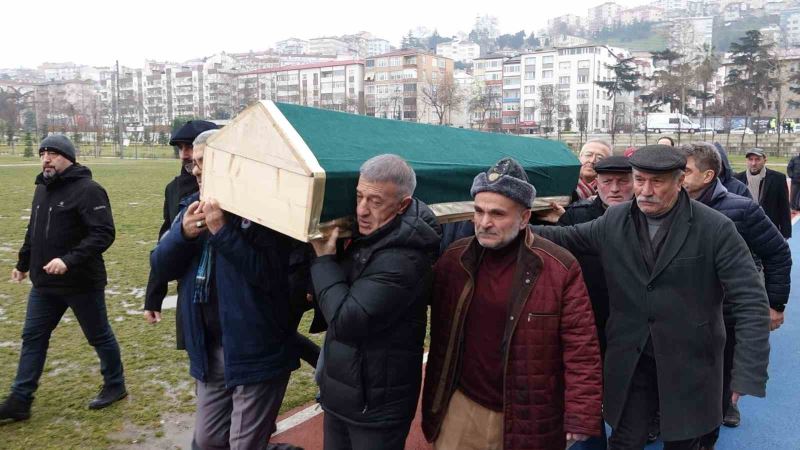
[[157, 374]]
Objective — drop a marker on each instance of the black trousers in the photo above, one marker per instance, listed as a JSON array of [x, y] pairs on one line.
[[639, 410], [340, 435]]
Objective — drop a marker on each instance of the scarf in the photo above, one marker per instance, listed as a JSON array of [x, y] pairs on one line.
[[754, 184], [202, 284], [586, 190]]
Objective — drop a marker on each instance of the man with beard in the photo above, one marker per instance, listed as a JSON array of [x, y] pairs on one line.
[[70, 228], [180, 187], [592, 151], [514, 361], [768, 189]]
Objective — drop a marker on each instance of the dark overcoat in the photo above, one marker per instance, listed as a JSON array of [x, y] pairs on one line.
[[678, 304]]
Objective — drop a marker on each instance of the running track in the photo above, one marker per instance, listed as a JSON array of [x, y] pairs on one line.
[[771, 423]]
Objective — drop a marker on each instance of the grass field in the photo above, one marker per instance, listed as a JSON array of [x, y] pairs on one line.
[[134, 151], [156, 373]]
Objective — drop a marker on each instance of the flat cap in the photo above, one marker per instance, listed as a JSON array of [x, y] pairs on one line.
[[613, 164], [657, 158], [755, 151], [190, 130]]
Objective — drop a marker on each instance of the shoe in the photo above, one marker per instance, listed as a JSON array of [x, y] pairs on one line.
[[732, 417], [108, 395], [15, 409], [654, 430]]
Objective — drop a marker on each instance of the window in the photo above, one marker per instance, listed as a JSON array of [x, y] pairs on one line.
[[530, 89], [396, 61], [530, 61], [547, 74], [565, 65], [583, 64], [547, 62], [530, 74], [582, 94], [410, 87], [564, 81], [382, 62]]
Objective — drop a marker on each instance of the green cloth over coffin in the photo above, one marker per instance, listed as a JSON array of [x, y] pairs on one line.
[[445, 159]]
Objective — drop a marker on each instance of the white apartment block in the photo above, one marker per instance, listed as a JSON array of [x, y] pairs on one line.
[[488, 73], [337, 85], [790, 24], [328, 46], [567, 75], [292, 46], [68, 71], [377, 46], [602, 16], [647, 13], [458, 50]]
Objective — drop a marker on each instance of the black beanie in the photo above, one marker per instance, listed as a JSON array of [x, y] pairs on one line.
[[60, 144]]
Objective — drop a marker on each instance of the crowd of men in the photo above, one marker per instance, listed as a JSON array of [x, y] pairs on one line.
[[646, 303]]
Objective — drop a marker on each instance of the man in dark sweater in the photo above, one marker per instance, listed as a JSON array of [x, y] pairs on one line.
[[180, 187]]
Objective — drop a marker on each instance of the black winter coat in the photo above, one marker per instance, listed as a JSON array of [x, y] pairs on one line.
[[703, 264], [593, 275], [726, 175], [70, 219], [761, 236], [774, 199], [375, 301]]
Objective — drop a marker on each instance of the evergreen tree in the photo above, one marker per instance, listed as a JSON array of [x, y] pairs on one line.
[[752, 75], [28, 145]]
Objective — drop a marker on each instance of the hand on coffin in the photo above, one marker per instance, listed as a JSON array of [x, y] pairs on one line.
[[551, 215], [194, 221], [326, 245], [215, 216]]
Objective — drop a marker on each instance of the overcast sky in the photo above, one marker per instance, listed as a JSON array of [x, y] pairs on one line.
[[99, 32]]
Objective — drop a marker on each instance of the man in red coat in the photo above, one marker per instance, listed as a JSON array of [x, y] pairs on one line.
[[514, 361]]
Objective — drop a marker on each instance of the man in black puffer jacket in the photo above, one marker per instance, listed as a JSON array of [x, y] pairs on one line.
[[70, 227], [374, 299], [762, 237]]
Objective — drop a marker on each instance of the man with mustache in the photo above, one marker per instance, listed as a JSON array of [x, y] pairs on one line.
[[614, 186], [180, 187], [70, 228], [592, 151], [514, 361], [671, 265]]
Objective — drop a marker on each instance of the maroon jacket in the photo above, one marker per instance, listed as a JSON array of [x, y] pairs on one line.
[[553, 375]]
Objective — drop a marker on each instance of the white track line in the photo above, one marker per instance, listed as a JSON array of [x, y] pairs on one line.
[[309, 413]]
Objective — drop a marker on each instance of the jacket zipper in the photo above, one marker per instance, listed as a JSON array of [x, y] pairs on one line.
[[47, 228], [35, 221], [364, 382]]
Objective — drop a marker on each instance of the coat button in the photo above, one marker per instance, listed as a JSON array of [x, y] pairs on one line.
[[527, 281], [649, 287], [511, 318]]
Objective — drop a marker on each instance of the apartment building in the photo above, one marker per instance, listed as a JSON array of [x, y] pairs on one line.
[[559, 84], [394, 82], [603, 16], [328, 46], [488, 73], [458, 50], [292, 46], [335, 85]]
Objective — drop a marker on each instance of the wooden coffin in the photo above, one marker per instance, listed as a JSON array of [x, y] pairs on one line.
[[294, 169]]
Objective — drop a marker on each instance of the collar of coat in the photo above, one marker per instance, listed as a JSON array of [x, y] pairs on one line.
[[678, 231]]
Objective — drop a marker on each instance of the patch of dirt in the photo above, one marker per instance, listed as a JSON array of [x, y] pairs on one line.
[[175, 434]]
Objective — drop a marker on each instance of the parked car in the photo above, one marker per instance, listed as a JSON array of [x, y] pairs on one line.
[[741, 130], [670, 122]]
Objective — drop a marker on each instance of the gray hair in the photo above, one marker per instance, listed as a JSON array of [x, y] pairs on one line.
[[602, 142], [705, 155], [202, 138], [390, 168]]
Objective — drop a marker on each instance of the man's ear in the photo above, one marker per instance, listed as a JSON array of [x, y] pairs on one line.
[[404, 203], [526, 218]]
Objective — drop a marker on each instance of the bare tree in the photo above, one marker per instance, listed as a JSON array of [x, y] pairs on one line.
[[582, 118], [442, 95], [547, 108], [483, 102]]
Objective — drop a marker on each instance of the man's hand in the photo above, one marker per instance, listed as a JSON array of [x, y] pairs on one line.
[[775, 319], [152, 316], [17, 276], [215, 217], [327, 246], [55, 267], [576, 437], [551, 215], [194, 221]]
